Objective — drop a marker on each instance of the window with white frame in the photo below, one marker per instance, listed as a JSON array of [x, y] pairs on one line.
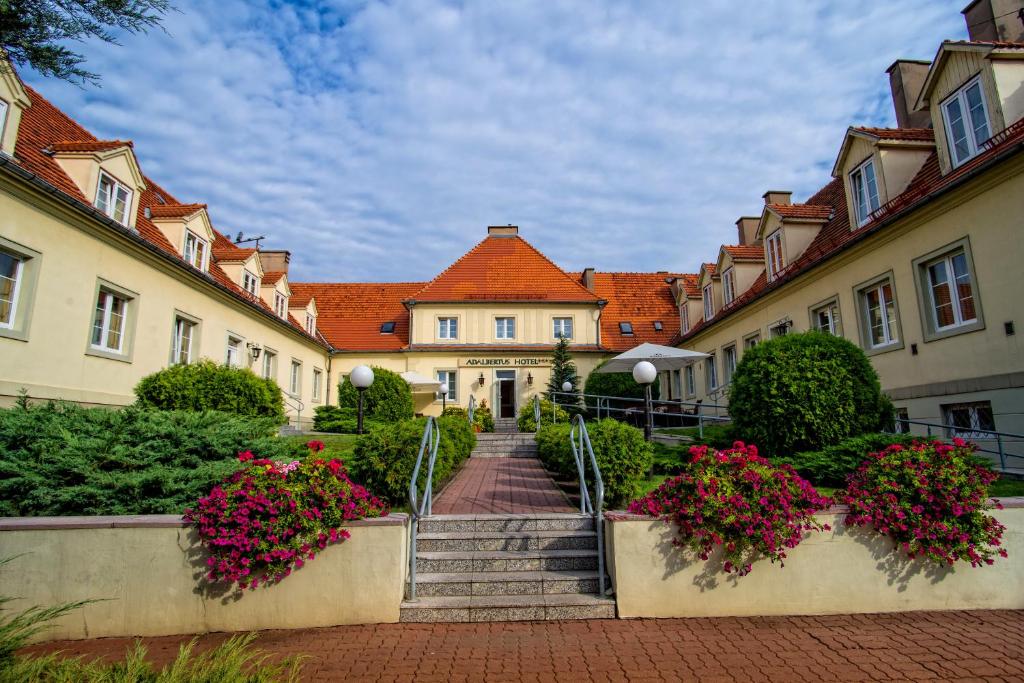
[[505, 328], [250, 282], [109, 322], [447, 328], [879, 310], [729, 285], [950, 291], [709, 302], [448, 377], [3, 115], [969, 420], [773, 247], [318, 381], [966, 121], [751, 341], [311, 324], [280, 305], [825, 318], [691, 382], [11, 277], [711, 372], [684, 318], [677, 384], [195, 250], [295, 378], [562, 328], [865, 191], [113, 199], [233, 357], [269, 364], [728, 363], [183, 340], [901, 424]]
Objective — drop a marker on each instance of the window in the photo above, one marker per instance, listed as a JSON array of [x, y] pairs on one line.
[[448, 377], [3, 116], [184, 336], [387, 328], [949, 287], [318, 380], [234, 353], [709, 304], [625, 328], [280, 305], [825, 318], [11, 270], [250, 282], [109, 322], [113, 199], [779, 329], [969, 420], [295, 378], [751, 341], [865, 191], [879, 310], [311, 324], [729, 285], [691, 383], [900, 423], [562, 328], [658, 327], [728, 363], [195, 250], [677, 384], [447, 328], [684, 318], [269, 364], [966, 122], [775, 261], [711, 372], [505, 328]]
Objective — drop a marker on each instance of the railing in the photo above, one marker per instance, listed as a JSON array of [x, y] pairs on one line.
[[579, 439], [472, 408], [1001, 439], [536, 413], [673, 413], [422, 507], [297, 405]]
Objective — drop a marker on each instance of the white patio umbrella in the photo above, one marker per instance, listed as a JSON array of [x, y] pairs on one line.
[[663, 358], [420, 384]]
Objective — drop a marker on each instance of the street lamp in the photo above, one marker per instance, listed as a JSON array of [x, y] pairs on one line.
[[645, 373], [361, 378], [567, 386], [443, 390]]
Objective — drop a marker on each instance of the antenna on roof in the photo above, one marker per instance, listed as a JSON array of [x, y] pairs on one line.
[[241, 239]]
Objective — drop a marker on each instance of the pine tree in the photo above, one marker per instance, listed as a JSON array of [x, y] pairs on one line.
[[562, 370]]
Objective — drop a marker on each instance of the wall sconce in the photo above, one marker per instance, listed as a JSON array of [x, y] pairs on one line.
[[529, 378], [481, 380], [254, 350]]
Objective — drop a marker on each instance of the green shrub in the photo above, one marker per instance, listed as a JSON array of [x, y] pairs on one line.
[[208, 386], [718, 435], [619, 384], [526, 421], [622, 454], [62, 459], [830, 465], [340, 420], [384, 458], [388, 399], [482, 416], [804, 392]]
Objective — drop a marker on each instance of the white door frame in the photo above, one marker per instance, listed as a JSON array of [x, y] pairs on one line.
[[497, 390]]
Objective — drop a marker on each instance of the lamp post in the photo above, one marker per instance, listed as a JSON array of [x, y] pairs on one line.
[[361, 378], [566, 387], [645, 373], [443, 390]]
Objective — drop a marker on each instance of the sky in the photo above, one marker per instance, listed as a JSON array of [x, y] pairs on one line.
[[377, 140]]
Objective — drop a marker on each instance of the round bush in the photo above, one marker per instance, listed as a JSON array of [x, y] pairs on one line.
[[208, 386], [482, 416], [388, 398], [802, 392], [526, 421]]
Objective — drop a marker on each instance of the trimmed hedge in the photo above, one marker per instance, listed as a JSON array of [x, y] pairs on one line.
[[831, 465], [622, 454], [388, 399], [384, 458], [526, 421], [341, 420], [805, 391], [62, 459], [205, 385]]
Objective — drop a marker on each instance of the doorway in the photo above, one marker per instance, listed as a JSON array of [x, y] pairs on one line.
[[506, 381]]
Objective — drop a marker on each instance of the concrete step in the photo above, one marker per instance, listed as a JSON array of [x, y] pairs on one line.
[[506, 583], [495, 522], [507, 608], [505, 447], [469, 541], [447, 562]]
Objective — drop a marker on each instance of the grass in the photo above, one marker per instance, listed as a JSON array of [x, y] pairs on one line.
[[340, 446], [1006, 488]]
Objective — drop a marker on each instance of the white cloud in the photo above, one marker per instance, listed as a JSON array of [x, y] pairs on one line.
[[375, 141]]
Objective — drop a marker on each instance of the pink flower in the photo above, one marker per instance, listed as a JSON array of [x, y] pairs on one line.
[[245, 456]]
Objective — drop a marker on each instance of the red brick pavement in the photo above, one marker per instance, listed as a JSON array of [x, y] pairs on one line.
[[501, 485], [968, 646]]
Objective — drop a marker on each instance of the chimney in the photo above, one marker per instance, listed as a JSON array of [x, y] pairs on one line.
[[906, 76], [746, 226], [502, 230], [275, 260], [995, 20], [588, 278], [777, 197]]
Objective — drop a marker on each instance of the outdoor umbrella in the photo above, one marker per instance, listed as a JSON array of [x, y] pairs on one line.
[[664, 358]]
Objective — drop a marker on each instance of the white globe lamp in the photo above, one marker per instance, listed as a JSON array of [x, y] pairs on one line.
[[443, 390], [645, 373], [567, 387], [361, 378]]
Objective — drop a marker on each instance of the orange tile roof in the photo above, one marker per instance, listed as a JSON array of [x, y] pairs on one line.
[[224, 249], [812, 211], [640, 299], [914, 134], [504, 268], [690, 284], [351, 313], [88, 145], [745, 252], [270, 277], [174, 210]]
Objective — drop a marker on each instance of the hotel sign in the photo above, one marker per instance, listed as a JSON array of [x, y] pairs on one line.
[[509, 362]]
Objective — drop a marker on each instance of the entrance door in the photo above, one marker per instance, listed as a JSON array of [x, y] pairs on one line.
[[506, 380]]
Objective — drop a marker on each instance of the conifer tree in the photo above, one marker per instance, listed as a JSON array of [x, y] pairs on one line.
[[563, 369]]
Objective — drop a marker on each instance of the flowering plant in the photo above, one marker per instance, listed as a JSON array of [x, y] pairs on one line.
[[268, 518], [739, 501], [929, 497]]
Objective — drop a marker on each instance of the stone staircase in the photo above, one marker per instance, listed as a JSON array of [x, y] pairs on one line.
[[505, 425], [505, 445], [488, 567]]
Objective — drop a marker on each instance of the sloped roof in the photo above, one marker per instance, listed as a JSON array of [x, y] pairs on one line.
[[270, 277], [88, 145], [690, 284], [351, 313], [640, 299], [504, 268], [802, 211], [913, 134], [744, 252], [175, 210]]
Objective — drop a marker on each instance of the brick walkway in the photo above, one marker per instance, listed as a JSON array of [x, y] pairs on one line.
[[976, 646], [501, 485]]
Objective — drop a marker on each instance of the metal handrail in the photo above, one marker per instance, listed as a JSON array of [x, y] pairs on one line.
[[471, 410], [595, 508], [296, 403], [603, 405], [999, 437], [536, 413], [422, 508]]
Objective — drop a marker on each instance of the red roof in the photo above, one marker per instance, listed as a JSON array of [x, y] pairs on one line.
[[802, 211], [270, 277], [174, 210], [88, 145], [744, 252], [913, 134], [690, 284], [351, 313], [504, 268], [641, 299]]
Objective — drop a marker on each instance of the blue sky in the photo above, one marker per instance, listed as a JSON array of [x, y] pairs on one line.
[[377, 140]]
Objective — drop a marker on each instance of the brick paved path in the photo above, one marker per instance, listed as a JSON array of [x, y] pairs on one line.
[[976, 646], [501, 485]]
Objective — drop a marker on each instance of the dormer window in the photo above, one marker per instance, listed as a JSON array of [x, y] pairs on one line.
[[311, 324], [195, 250], [625, 328], [3, 116], [113, 199], [966, 122], [250, 282], [709, 303], [684, 318], [865, 191], [280, 305], [729, 285], [775, 263], [387, 328]]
